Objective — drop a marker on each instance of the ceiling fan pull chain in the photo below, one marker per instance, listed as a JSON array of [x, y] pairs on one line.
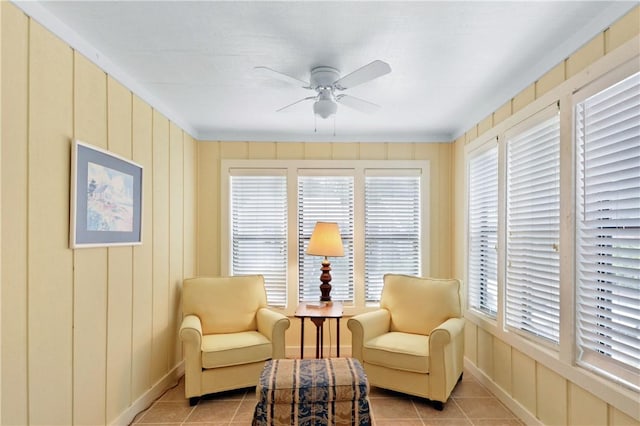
[[315, 124], [334, 125]]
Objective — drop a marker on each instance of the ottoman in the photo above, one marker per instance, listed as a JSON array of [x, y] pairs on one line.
[[308, 392]]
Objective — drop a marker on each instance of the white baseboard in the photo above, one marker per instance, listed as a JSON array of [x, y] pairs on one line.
[[513, 405], [147, 398]]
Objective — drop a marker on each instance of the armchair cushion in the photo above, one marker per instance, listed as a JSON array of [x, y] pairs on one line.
[[225, 304], [417, 307], [399, 351], [223, 350]]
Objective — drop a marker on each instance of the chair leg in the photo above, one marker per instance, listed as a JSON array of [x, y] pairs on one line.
[[193, 400], [438, 405]]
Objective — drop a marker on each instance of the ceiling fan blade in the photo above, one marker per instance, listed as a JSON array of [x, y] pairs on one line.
[[358, 104], [296, 102], [268, 72], [368, 72]]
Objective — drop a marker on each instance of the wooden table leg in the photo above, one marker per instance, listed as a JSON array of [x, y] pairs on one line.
[[318, 323], [338, 336], [322, 340], [301, 337]]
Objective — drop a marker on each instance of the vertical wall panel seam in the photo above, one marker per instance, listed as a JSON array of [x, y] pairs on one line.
[[217, 203], [28, 135], [168, 260], [106, 338], [183, 206], [196, 147], [178, 318], [536, 402], [133, 264], [169, 215], [106, 311], [452, 208], [153, 287], [1, 138], [186, 140], [73, 252], [175, 316], [196, 195], [170, 345]]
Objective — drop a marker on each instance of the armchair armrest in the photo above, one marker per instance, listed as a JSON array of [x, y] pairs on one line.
[[191, 331], [446, 351], [445, 332], [191, 336], [366, 326], [273, 325]]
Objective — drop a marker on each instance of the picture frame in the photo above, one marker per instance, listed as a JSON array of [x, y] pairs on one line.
[[106, 198]]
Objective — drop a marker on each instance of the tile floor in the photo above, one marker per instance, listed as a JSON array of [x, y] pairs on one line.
[[470, 404]]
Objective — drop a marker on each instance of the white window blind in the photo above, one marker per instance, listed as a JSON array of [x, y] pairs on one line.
[[325, 199], [608, 221], [483, 227], [392, 229], [259, 232], [533, 228]]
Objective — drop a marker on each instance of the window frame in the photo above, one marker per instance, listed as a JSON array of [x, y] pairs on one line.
[[291, 168], [482, 149], [374, 175], [312, 261], [611, 370], [274, 173], [562, 362], [524, 126]]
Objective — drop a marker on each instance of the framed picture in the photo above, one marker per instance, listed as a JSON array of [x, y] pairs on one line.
[[106, 198]]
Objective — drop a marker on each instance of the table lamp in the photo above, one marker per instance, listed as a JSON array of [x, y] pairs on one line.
[[325, 241]]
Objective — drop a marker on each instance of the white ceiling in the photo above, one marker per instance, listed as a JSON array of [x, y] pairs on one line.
[[453, 63]]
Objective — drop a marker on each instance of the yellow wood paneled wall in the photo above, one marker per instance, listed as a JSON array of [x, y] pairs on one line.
[[211, 153], [548, 396], [85, 332]]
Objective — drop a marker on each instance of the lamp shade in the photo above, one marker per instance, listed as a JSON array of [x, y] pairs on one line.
[[325, 240]]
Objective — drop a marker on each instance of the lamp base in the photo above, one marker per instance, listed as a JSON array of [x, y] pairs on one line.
[[325, 277], [325, 289]]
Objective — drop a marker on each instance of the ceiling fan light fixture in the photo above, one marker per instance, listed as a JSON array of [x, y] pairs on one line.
[[325, 81], [325, 108]]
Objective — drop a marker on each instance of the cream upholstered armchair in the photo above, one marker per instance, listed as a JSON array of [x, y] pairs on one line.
[[228, 333], [415, 342]]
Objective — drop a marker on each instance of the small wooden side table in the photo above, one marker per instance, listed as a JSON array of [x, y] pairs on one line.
[[318, 312]]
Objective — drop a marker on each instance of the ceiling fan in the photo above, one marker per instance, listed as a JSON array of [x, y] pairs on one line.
[[326, 81]]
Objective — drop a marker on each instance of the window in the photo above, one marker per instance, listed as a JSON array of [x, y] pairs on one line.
[[259, 231], [392, 228], [607, 129], [272, 207], [483, 231], [326, 199], [533, 227], [559, 191]]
